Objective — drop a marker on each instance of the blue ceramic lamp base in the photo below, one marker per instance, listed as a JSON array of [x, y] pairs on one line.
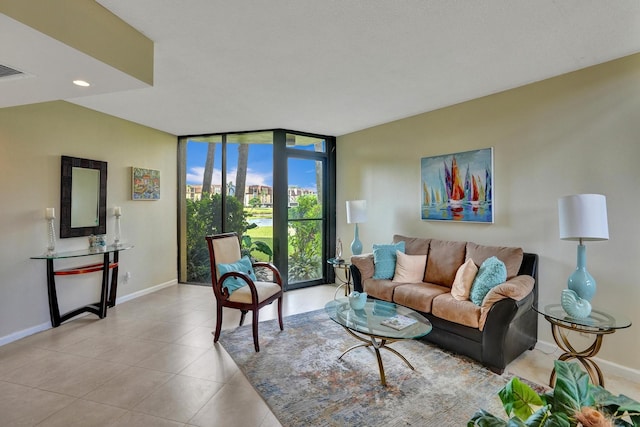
[[356, 245], [576, 300]]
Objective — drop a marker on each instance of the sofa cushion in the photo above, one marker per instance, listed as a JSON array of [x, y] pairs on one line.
[[512, 257], [491, 273], [381, 289], [413, 245], [409, 268], [464, 279], [418, 295], [384, 259], [443, 261], [466, 313]]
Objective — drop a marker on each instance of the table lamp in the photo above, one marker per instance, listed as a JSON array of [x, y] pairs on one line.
[[583, 217], [356, 213]]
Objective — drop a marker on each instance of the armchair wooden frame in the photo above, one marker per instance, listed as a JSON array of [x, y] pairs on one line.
[[225, 248]]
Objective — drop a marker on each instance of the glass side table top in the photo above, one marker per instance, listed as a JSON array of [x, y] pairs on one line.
[[338, 262], [367, 321], [86, 252], [598, 319]]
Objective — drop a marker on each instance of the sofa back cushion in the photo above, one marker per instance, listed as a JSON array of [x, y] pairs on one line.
[[413, 245], [443, 261], [512, 257]]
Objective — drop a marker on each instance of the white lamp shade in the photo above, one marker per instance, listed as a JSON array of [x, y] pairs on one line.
[[583, 216], [356, 211]]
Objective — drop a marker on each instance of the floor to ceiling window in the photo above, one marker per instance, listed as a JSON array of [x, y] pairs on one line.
[[276, 189]]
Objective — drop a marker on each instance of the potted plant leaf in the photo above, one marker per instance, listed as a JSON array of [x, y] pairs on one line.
[[573, 402]]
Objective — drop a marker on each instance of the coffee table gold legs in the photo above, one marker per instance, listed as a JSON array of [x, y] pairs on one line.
[[582, 356], [377, 344]]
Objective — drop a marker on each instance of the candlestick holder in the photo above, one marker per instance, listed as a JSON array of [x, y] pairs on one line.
[[116, 240], [51, 238]]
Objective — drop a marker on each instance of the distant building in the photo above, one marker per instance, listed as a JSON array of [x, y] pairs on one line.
[[294, 192], [194, 192], [263, 193]]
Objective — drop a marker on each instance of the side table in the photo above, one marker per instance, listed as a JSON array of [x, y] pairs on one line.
[[341, 264], [598, 324]]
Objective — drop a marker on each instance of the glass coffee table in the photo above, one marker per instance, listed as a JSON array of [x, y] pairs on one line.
[[367, 325]]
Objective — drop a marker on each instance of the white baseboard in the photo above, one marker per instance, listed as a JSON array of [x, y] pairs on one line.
[[145, 291], [606, 366], [47, 325], [24, 333]]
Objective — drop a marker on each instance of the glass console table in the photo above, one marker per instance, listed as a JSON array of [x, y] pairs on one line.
[[108, 292], [598, 324]]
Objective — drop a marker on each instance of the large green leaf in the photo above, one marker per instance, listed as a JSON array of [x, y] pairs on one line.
[[483, 418], [571, 391], [617, 406], [518, 398], [544, 418]]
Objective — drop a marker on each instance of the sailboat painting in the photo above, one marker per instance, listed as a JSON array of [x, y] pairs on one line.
[[458, 187]]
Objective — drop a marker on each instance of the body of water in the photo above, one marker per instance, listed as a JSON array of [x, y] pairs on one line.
[[262, 222]]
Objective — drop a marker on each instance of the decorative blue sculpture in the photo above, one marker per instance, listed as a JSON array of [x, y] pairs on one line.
[[575, 306], [357, 300]]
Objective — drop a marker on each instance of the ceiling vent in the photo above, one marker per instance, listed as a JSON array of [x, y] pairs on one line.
[[9, 72]]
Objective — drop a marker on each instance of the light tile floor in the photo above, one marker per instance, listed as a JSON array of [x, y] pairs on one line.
[[151, 362]]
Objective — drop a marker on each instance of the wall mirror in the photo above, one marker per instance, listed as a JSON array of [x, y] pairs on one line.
[[83, 197]]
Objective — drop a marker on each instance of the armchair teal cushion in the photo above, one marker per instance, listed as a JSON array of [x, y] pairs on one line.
[[244, 265], [491, 273], [384, 259]]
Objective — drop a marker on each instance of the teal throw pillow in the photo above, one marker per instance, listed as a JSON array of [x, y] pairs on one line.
[[243, 266], [384, 258], [491, 273]]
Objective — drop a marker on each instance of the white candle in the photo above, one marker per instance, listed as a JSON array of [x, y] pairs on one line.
[[50, 213], [117, 211]]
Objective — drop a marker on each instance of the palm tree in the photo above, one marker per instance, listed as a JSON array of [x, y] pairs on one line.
[[241, 172], [208, 168]]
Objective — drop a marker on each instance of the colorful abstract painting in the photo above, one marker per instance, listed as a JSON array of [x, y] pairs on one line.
[[458, 187], [145, 184]]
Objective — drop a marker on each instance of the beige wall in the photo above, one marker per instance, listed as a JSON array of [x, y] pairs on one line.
[[577, 133], [32, 139]]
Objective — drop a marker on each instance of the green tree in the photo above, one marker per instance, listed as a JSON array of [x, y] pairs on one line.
[[254, 202], [204, 217]]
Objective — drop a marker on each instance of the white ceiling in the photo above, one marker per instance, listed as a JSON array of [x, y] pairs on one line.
[[329, 67]]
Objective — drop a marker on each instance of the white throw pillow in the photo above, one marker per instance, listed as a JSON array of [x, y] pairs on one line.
[[409, 268], [465, 275]]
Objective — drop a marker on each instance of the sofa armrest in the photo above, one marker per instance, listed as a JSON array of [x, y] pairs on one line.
[[362, 267], [364, 263], [516, 289]]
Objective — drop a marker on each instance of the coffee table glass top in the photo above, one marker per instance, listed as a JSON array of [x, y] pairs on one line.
[[598, 319], [368, 320]]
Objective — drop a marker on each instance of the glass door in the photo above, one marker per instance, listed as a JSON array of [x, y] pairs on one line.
[[305, 221], [307, 211]]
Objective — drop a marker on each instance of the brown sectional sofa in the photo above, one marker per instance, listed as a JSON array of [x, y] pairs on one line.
[[494, 333]]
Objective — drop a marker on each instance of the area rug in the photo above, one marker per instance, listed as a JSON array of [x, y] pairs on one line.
[[299, 375]]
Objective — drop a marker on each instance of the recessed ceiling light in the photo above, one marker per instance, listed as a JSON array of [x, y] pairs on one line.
[[81, 83]]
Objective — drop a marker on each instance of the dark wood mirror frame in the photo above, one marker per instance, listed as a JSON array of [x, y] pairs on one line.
[[66, 183]]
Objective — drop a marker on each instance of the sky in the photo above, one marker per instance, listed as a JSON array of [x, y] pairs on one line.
[[259, 166]]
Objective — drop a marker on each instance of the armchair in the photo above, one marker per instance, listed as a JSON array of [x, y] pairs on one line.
[[225, 249]]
